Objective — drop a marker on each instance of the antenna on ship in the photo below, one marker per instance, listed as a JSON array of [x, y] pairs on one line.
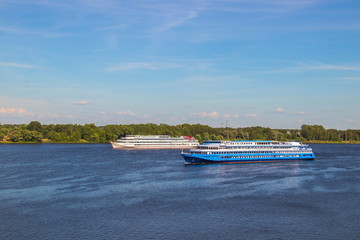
[[227, 131]]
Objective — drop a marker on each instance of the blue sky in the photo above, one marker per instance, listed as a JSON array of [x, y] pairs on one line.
[[277, 64]]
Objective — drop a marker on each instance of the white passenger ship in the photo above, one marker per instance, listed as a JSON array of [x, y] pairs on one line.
[[248, 152], [154, 142]]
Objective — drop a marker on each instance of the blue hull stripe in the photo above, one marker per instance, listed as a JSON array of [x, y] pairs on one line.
[[204, 159]]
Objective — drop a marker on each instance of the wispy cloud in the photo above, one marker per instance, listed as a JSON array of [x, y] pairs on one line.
[[174, 23], [159, 63], [17, 65], [321, 66], [111, 28], [264, 6], [27, 31], [205, 79], [313, 66], [142, 65], [158, 17], [351, 78]]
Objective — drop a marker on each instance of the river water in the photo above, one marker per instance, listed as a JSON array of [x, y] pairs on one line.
[[91, 191]]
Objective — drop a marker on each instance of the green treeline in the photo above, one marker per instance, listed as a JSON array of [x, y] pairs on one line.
[[35, 132]]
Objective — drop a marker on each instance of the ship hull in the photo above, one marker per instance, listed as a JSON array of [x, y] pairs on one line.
[[190, 159]]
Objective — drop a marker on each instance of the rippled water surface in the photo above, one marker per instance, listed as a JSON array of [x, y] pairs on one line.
[[91, 191]]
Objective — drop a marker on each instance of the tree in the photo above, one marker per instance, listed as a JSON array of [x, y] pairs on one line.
[[333, 135], [2, 135], [199, 138], [306, 132], [31, 136], [206, 136], [35, 126], [14, 136]]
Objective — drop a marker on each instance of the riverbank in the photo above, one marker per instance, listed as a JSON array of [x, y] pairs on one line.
[[332, 142], [47, 141]]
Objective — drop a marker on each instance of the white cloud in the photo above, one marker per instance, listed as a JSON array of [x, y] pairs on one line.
[[211, 115], [82, 103], [127, 113], [214, 115], [301, 113], [280, 110], [15, 111], [56, 116], [48, 115]]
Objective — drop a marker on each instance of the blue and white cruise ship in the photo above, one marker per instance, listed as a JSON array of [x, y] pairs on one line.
[[247, 152]]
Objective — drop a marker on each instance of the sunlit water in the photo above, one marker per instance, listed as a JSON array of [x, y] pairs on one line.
[[91, 191]]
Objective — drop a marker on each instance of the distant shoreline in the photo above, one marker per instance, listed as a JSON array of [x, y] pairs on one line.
[[35, 132]]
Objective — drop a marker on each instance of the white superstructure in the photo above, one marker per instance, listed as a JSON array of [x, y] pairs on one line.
[[155, 142]]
